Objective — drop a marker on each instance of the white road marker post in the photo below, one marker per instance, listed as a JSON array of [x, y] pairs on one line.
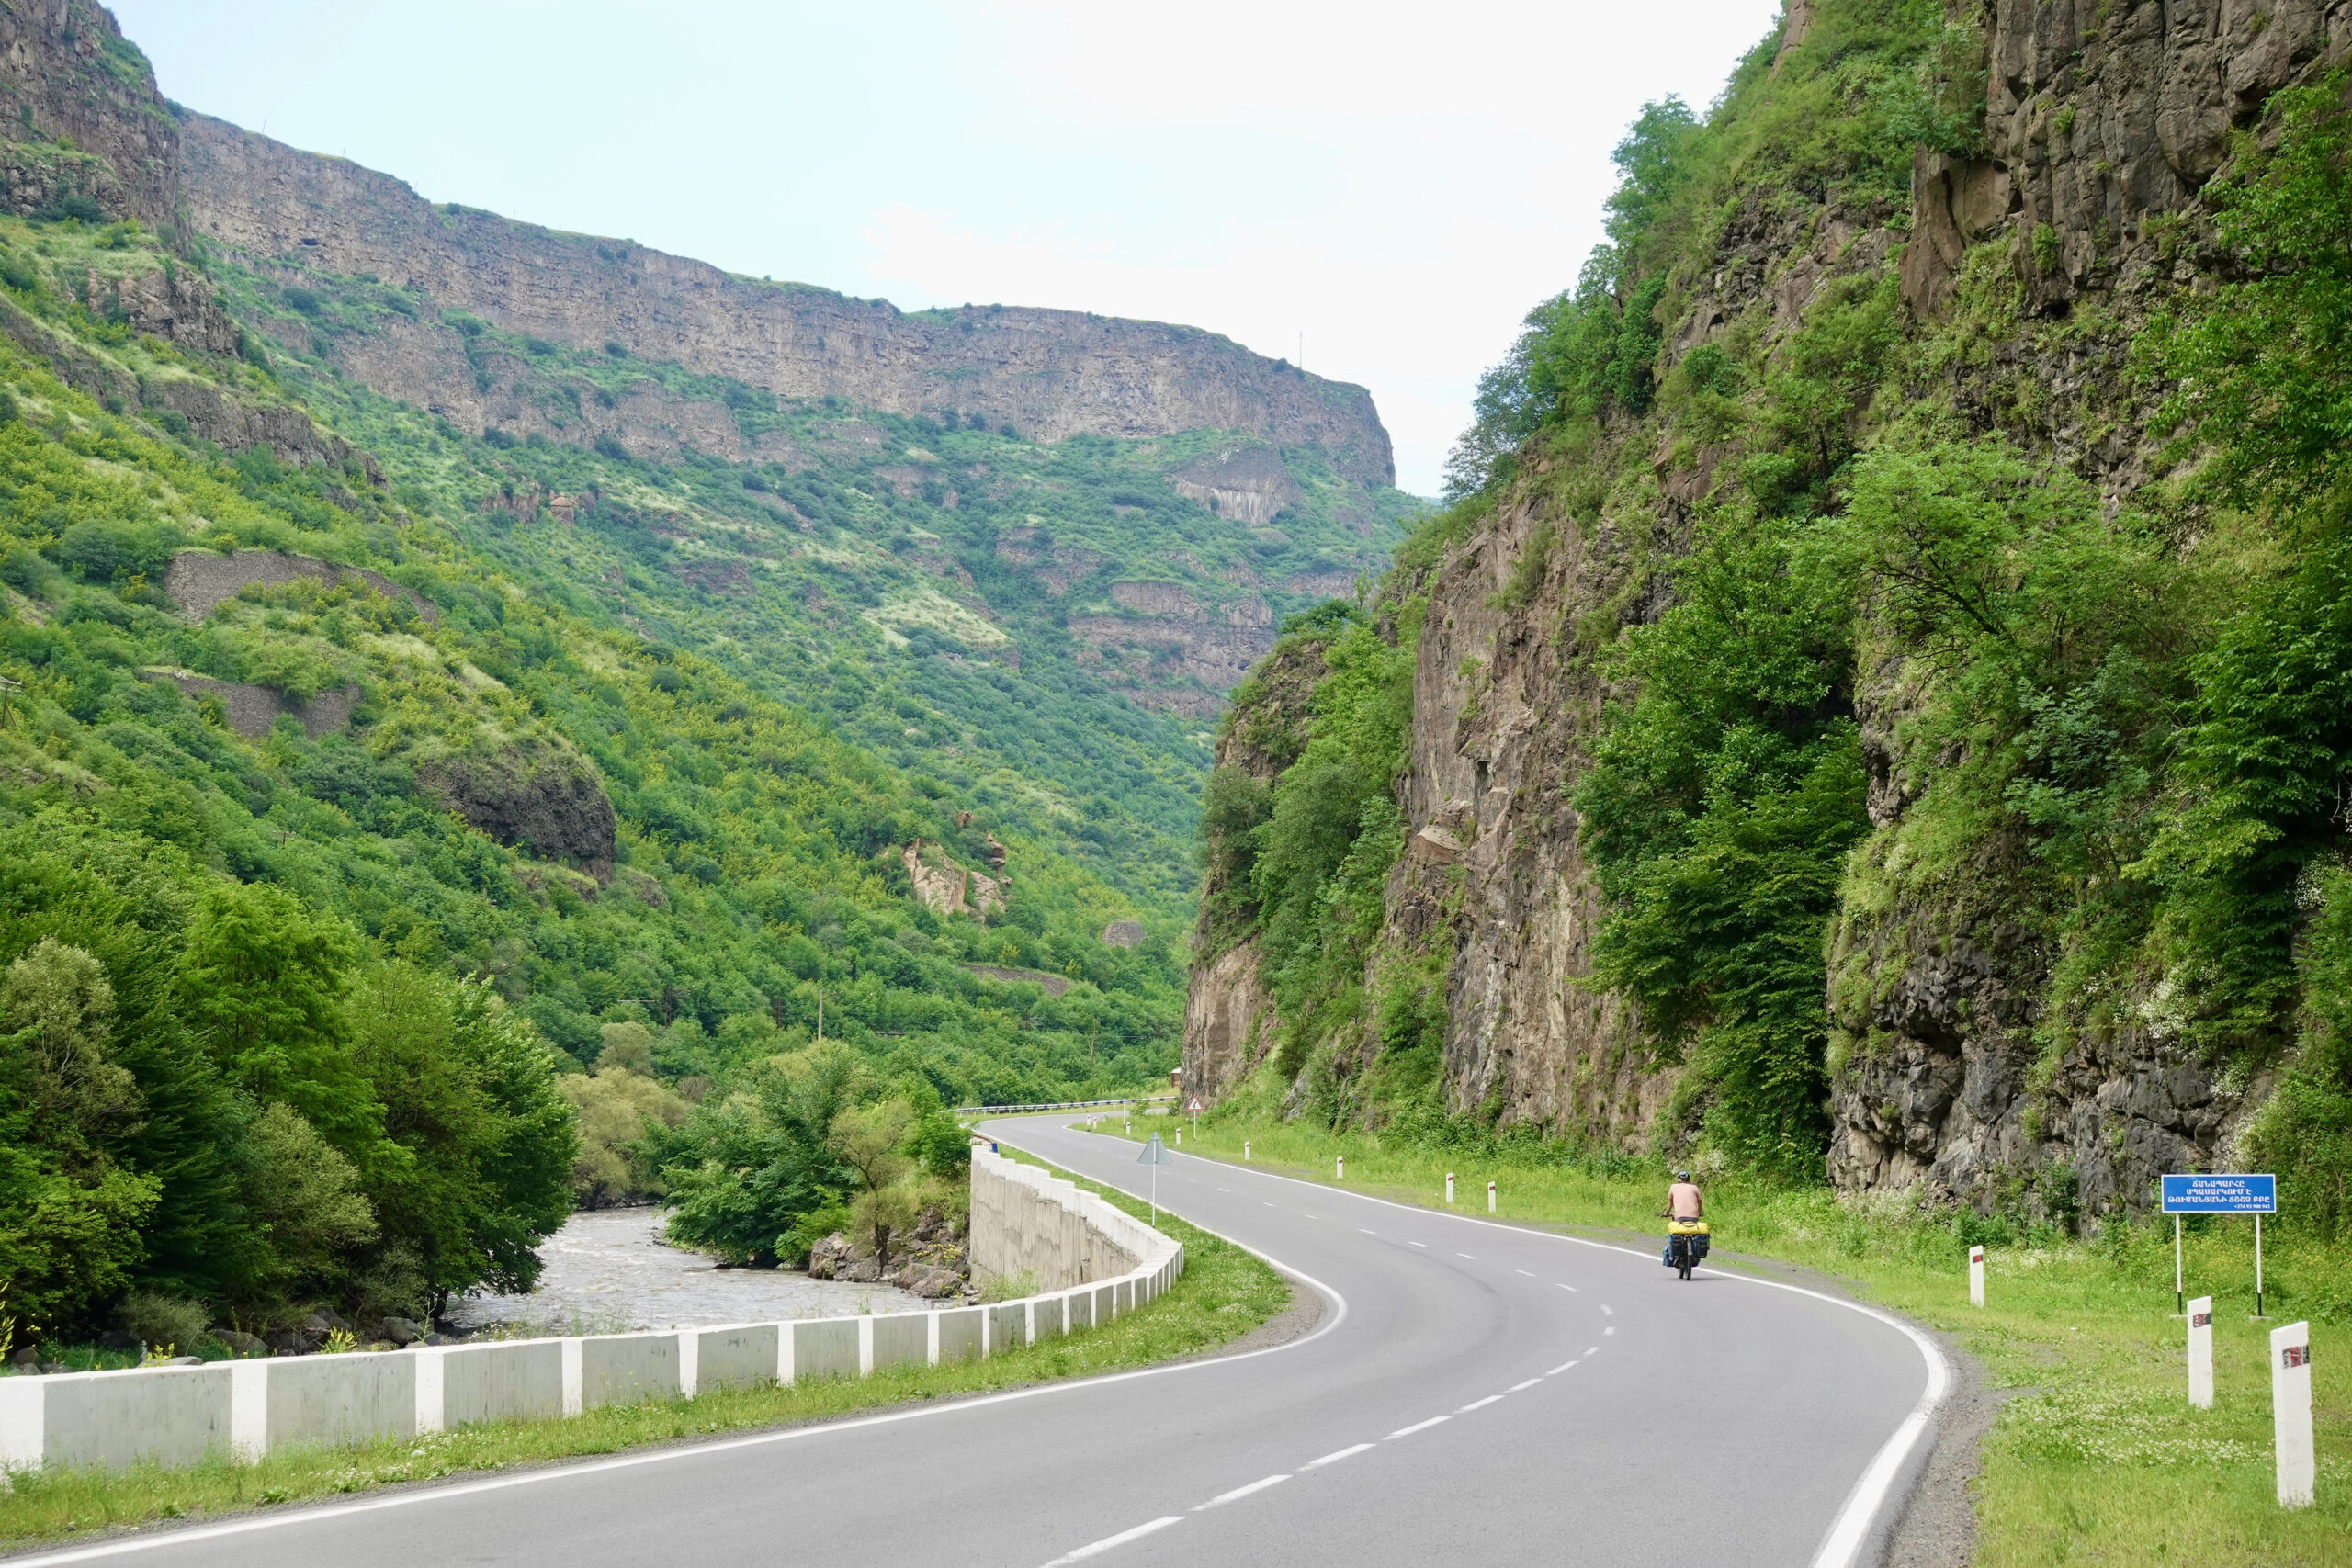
[[1339, 1168], [1245, 1151], [1976, 1275], [1490, 1197], [1449, 1186], [2291, 1413], [2200, 1352]]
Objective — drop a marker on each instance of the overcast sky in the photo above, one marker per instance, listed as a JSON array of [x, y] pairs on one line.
[[1392, 184]]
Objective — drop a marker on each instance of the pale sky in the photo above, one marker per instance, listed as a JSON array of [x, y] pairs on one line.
[[1394, 184]]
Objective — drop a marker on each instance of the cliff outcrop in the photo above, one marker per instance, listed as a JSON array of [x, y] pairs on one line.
[[90, 136], [1050, 374], [2046, 229]]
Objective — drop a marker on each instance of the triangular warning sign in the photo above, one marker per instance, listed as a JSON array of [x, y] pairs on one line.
[[1195, 1104]]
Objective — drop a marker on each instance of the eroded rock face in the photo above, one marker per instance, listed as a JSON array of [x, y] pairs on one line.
[[947, 888], [539, 795], [1248, 485], [1229, 1019], [1169, 637], [1503, 705], [2102, 118], [1229, 1023], [66, 72], [1051, 374]]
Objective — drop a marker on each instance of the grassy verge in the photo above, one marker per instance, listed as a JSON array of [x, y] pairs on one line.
[[2096, 1456], [1224, 1292]]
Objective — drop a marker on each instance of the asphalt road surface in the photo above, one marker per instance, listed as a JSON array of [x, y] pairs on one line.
[[1473, 1393]]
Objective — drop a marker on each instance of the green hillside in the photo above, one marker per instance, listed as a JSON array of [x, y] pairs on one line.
[[913, 584], [238, 958]]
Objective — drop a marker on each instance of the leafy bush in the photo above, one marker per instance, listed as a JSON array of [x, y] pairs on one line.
[[160, 1322]]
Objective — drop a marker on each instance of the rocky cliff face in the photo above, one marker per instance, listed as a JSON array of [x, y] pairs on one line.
[[1051, 374], [2102, 124], [2102, 127], [79, 104]]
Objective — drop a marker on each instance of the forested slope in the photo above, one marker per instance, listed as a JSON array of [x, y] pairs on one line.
[[364, 778], [1871, 704]]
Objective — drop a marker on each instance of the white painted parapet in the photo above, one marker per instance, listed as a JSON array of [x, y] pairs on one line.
[[1027, 1220], [175, 1416]]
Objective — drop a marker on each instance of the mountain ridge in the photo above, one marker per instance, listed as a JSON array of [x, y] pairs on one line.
[[1050, 374]]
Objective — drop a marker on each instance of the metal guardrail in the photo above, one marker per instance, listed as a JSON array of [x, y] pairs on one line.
[[1063, 1105]]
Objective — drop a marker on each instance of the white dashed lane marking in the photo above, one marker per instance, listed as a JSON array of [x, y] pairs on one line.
[[1563, 1367], [1607, 1310], [1531, 1382], [1108, 1541], [1343, 1453], [1570, 1289], [1417, 1426], [1481, 1403], [1240, 1492]]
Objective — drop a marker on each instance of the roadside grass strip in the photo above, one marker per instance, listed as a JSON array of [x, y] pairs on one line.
[[1224, 1292], [2096, 1456]]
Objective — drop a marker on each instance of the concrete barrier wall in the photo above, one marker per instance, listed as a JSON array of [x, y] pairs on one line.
[[901, 1339], [1026, 1219], [337, 1399], [515, 1380], [622, 1369], [1096, 1261], [743, 1356]]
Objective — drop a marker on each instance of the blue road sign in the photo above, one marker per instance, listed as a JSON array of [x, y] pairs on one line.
[[2221, 1194]]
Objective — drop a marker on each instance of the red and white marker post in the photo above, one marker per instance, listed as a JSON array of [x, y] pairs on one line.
[[1490, 1197], [1449, 1186], [1976, 1275]]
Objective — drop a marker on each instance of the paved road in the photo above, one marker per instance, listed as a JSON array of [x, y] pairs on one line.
[[1475, 1394]]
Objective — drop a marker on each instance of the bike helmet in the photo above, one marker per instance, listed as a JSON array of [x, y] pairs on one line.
[[1682, 1176]]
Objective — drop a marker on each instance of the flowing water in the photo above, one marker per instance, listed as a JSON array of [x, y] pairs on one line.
[[609, 1271]]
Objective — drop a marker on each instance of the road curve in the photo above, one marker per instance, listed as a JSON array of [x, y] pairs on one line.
[[1474, 1392]]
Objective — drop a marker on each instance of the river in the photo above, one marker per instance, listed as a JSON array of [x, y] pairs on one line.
[[608, 1271]]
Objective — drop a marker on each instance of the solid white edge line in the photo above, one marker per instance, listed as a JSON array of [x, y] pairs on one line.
[[1523, 1387], [1108, 1541], [1240, 1492], [1482, 1404], [1335, 1458], [1417, 1426], [560, 1471], [1849, 1530]]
